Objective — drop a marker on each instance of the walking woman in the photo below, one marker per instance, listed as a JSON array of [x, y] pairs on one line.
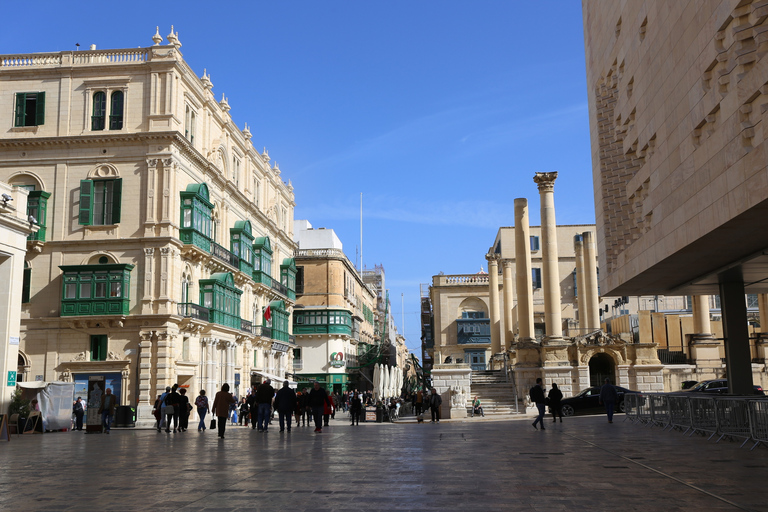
[[184, 410], [171, 409], [555, 395], [221, 403], [201, 402]]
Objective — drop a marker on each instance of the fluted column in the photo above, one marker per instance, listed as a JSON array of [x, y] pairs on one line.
[[509, 303], [590, 278], [493, 292], [701, 322], [523, 277], [551, 275], [581, 303]]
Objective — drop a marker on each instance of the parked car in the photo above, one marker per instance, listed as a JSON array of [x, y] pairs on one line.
[[588, 401], [718, 387]]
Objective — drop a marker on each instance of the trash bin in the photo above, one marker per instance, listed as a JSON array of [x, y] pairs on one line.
[[379, 414], [125, 416]]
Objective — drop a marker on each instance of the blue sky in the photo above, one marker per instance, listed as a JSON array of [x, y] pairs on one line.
[[439, 112]]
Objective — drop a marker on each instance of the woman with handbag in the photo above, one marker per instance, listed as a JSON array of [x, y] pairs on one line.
[[201, 402], [220, 407]]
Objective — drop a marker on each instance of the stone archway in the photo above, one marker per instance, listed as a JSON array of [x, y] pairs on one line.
[[601, 367]]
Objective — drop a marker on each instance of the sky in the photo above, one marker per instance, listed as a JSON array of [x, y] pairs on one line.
[[438, 112]]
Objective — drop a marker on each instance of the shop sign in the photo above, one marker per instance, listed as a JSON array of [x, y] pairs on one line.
[[279, 347], [11, 378], [337, 360]]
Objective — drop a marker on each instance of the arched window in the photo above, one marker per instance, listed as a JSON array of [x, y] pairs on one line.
[[99, 111], [116, 111]]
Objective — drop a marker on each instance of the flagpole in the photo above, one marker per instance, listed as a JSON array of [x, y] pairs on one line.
[[361, 233]]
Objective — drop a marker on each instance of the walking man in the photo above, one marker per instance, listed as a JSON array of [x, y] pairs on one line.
[[285, 402], [318, 399], [537, 397], [264, 395], [77, 408], [434, 405], [107, 409], [609, 397]]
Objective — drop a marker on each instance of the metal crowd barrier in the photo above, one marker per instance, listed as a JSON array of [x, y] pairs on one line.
[[732, 417]]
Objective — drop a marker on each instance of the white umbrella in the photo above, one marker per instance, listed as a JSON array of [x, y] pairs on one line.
[[392, 381], [376, 378], [385, 382], [380, 387], [399, 389]]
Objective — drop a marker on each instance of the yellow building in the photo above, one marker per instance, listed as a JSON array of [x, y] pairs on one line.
[[163, 234]]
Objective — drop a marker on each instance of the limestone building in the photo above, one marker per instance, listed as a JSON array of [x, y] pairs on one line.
[[163, 234], [335, 312], [679, 157], [15, 227]]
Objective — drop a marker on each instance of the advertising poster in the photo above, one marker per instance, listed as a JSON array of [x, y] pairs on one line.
[[96, 387]]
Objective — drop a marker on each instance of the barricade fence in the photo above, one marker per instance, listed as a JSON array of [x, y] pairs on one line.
[[734, 417]]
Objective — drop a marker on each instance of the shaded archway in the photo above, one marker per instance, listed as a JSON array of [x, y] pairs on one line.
[[601, 367]]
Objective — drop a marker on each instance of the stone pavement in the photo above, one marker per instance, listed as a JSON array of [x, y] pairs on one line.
[[581, 464]]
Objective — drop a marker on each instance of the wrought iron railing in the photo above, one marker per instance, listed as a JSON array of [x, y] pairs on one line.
[[263, 331], [190, 310], [246, 326], [224, 255], [279, 287]]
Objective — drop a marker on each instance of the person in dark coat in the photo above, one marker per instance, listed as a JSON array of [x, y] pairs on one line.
[[253, 406], [172, 413], [318, 399], [285, 402], [220, 407], [609, 397], [184, 409], [355, 408], [537, 397], [555, 395], [264, 396], [77, 408]]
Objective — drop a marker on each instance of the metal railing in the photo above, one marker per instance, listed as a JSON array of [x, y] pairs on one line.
[[298, 364], [189, 310], [733, 417], [279, 287], [228, 257], [246, 326], [260, 330]]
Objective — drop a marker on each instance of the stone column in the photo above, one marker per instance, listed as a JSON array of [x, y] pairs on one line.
[[145, 369], [578, 248], [231, 364], [551, 277], [493, 293], [509, 304], [523, 272], [701, 322], [705, 350], [590, 277], [210, 363]]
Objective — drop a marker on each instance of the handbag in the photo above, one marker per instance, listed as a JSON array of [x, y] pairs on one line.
[[213, 424], [168, 410]]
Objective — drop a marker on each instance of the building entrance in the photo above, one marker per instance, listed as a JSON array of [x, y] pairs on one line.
[[475, 358], [601, 367]]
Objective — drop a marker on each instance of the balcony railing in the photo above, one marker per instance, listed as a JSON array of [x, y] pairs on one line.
[[292, 339], [189, 310], [298, 364], [246, 326], [224, 255], [279, 287], [263, 331]]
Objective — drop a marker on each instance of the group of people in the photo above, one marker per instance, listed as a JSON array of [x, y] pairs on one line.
[[107, 403], [608, 397]]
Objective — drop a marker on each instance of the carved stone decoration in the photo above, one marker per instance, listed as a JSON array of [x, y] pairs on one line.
[[82, 356], [65, 376], [545, 180], [102, 171], [113, 356]]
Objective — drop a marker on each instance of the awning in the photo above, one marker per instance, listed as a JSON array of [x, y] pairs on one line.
[[275, 378]]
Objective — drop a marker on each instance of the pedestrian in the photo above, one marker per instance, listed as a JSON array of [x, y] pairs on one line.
[[328, 410], [307, 409], [297, 410], [107, 409], [537, 397], [77, 408], [285, 402], [159, 406], [220, 408], [264, 395], [554, 396], [171, 409], [477, 408], [253, 407], [419, 403], [244, 412], [434, 405], [355, 408], [184, 409], [609, 397], [201, 402], [318, 399]]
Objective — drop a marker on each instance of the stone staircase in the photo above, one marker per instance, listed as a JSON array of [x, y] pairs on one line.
[[497, 396]]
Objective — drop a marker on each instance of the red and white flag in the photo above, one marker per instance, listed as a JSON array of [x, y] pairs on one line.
[[267, 314]]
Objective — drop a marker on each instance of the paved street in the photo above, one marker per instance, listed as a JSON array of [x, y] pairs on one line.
[[583, 464]]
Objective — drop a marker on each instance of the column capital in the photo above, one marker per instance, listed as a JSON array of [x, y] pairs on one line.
[[545, 181], [506, 263], [492, 257]]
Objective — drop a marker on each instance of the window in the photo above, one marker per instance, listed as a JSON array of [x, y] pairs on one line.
[[196, 213], [575, 284], [534, 243], [99, 111], [116, 111], [472, 314], [190, 118], [100, 202], [37, 206], [536, 277], [236, 170], [26, 283], [99, 347], [299, 279], [752, 301], [96, 289], [30, 109]]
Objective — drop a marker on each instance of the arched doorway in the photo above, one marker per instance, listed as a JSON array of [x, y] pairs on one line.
[[601, 367]]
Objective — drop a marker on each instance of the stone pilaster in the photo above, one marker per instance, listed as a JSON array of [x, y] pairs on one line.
[[145, 368], [523, 277], [581, 302], [551, 275], [509, 303], [148, 296], [493, 294], [151, 205], [164, 366], [590, 278], [165, 277]]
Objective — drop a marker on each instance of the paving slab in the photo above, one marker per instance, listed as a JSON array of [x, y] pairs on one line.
[[583, 463]]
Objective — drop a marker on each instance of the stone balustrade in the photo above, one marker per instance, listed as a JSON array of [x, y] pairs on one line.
[[461, 280], [78, 58], [319, 253]]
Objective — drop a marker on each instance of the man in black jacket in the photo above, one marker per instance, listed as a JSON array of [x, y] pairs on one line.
[[253, 407], [537, 397], [317, 400], [264, 395], [285, 402]]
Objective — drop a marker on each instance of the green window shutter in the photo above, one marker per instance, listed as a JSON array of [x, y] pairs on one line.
[[86, 203], [26, 284], [103, 348], [20, 102], [117, 192], [40, 118]]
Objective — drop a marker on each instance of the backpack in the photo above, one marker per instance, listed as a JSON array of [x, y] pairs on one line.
[[200, 402]]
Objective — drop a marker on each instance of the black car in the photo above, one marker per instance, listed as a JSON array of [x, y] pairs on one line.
[[717, 387], [588, 401]]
